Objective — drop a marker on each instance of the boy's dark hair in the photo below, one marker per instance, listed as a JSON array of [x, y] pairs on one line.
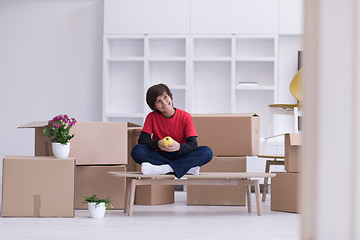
[[154, 91]]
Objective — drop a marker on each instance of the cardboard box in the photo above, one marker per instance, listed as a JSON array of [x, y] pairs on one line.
[[38, 187], [229, 134], [94, 142], [91, 180], [154, 195], [219, 195], [284, 192], [133, 137], [292, 152]]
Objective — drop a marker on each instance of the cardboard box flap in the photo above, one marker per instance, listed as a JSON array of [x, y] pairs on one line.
[[295, 139], [34, 124], [133, 125]]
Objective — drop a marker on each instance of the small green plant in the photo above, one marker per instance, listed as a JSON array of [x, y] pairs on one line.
[[97, 201]]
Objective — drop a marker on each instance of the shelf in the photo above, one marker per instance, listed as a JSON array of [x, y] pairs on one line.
[[172, 73], [168, 47], [213, 47], [212, 83], [255, 88], [212, 59], [124, 59], [129, 76], [255, 59], [167, 59], [201, 71], [125, 47], [255, 47], [260, 72]]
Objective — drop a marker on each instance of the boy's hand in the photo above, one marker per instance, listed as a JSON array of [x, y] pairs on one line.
[[171, 148]]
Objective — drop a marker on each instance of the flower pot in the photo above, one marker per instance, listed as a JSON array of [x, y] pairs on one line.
[[96, 211], [61, 150]]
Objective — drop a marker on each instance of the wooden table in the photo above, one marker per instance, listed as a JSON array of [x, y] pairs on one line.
[[206, 178]]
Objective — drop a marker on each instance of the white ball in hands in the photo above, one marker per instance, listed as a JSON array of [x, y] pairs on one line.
[[167, 141]]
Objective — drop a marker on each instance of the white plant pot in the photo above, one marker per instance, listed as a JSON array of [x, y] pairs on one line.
[[61, 150], [96, 211]]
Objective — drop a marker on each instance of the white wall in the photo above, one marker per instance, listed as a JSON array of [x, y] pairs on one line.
[[330, 180], [50, 63]]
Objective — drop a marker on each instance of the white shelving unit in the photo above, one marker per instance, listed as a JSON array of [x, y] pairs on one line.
[[206, 73]]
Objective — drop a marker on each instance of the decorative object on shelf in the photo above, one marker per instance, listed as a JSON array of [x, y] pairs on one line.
[[59, 134], [97, 206]]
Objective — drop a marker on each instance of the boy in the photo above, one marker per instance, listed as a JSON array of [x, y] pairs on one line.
[[181, 157]]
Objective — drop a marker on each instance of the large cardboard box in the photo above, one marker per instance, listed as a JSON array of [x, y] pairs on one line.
[[146, 195], [38, 187], [91, 180], [292, 152], [94, 142], [219, 195], [284, 192], [229, 134]]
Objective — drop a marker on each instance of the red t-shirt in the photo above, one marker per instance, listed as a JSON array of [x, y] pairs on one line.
[[179, 127]]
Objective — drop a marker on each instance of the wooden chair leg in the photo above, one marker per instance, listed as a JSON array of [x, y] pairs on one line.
[[265, 186], [248, 197]]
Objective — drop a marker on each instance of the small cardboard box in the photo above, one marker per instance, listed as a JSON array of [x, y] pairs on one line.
[[219, 195], [146, 195], [91, 180], [94, 142], [292, 152], [229, 134], [284, 192], [38, 187], [154, 195]]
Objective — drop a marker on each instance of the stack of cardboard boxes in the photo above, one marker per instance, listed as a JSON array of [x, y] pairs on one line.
[[231, 137], [285, 185], [43, 186]]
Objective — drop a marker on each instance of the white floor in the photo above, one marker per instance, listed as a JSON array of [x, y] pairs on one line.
[[172, 221]]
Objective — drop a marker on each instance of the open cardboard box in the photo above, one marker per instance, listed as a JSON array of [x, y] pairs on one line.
[[229, 134], [94, 142]]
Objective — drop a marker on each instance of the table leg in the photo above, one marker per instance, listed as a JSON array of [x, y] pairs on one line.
[[265, 186], [132, 196], [257, 197], [248, 196], [127, 195]]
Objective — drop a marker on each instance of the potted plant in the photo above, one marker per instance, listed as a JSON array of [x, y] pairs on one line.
[[59, 134], [97, 206]]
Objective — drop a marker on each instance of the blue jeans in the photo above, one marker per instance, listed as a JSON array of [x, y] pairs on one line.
[[180, 164]]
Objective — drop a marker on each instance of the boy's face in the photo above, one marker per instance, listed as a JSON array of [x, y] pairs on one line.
[[163, 104]]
